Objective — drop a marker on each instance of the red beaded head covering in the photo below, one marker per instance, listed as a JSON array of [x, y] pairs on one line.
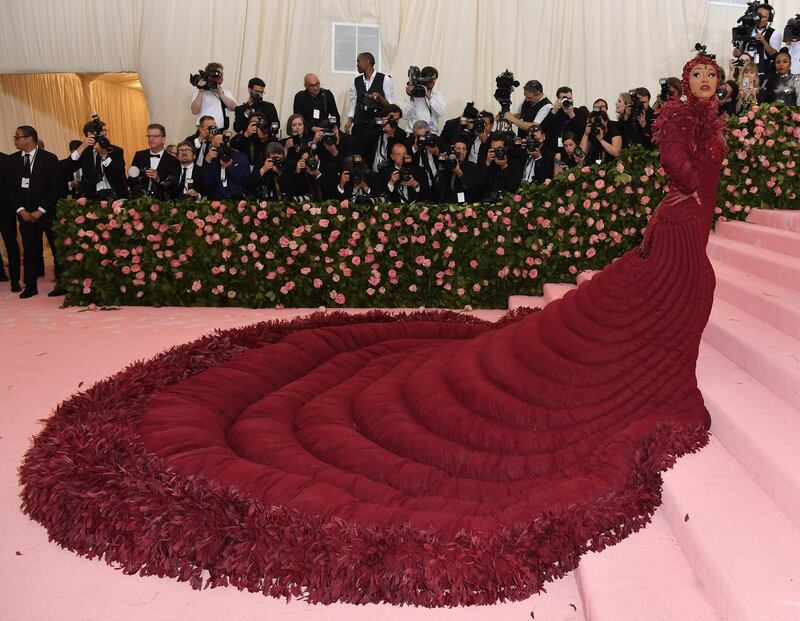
[[701, 59]]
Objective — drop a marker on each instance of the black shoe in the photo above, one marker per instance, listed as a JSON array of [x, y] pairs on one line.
[[15, 288], [57, 292], [28, 293], [3, 277]]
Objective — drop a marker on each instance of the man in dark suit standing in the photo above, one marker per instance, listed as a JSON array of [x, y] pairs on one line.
[[102, 165], [158, 170], [402, 181], [315, 103], [256, 103], [34, 177], [226, 173], [8, 227]]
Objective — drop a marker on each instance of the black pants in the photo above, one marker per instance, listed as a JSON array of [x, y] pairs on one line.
[[33, 250], [8, 230]]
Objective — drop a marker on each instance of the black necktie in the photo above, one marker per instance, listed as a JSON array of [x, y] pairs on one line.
[[26, 166], [98, 167], [183, 178], [155, 155]]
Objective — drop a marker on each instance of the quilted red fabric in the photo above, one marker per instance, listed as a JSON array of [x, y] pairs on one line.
[[427, 460]]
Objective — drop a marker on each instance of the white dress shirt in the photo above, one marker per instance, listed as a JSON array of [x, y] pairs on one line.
[[424, 109], [103, 184], [211, 105]]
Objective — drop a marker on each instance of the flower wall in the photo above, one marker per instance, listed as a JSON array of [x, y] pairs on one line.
[[189, 253]]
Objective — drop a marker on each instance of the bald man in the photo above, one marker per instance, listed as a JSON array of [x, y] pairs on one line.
[[315, 103]]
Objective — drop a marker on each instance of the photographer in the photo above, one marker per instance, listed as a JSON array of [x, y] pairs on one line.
[[564, 117], [255, 103], [642, 118], [601, 142], [101, 164], [332, 145], [200, 139], [629, 129], [311, 178], [403, 182], [156, 171], [423, 101], [539, 162], [266, 180], [191, 183], [297, 138], [211, 99], [377, 154], [226, 172], [727, 105], [534, 109], [354, 181], [500, 173], [457, 180], [424, 149], [369, 94], [253, 141], [756, 37], [460, 126], [671, 88], [781, 85], [568, 156], [481, 130], [315, 103]]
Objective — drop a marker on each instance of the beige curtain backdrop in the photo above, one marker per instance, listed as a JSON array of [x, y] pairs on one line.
[[58, 105], [598, 47]]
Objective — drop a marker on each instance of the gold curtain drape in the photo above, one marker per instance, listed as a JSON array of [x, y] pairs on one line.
[[58, 105]]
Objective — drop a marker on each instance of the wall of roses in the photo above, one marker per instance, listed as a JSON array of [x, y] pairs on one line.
[[332, 254]]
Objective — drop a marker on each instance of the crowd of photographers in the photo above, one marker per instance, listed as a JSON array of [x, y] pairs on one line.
[[382, 150]]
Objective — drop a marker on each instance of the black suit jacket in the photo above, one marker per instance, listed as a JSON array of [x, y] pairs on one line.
[[45, 184], [243, 112], [168, 167], [325, 102], [493, 179], [467, 183], [115, 172], [421, 193]]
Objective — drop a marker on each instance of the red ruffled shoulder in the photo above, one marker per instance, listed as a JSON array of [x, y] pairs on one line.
[[696, 123]]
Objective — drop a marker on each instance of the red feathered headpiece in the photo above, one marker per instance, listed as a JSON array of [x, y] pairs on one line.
[[700, 59]]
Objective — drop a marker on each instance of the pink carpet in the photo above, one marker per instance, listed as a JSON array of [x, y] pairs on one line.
[[723, 546]]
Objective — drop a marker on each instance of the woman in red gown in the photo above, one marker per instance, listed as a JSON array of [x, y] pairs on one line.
[[422, 461]]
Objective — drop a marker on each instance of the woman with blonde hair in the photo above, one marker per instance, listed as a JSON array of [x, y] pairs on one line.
[[748, 86]]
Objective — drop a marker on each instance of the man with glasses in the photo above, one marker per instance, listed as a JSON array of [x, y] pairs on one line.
[[255, 104], [315, 103], [158, 171], [35, 186], [200, 139], [191, 183], [213, 100]]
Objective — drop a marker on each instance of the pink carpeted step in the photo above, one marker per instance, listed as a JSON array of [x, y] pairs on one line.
[[757, 427], [743, 549], [556, 291], [586, 275], [768, 264], [784, 219], [769, 355], [778, 306], [777, 240], [523, 301], [643, 577]]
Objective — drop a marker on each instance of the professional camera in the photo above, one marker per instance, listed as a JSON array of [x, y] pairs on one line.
[[741, 33], [312, 163], [666, 91], [382, 122], [500, 154], [225, 153], [792, 30], [479, 126], [566, 103], [447, 160], [211, 79], [357, 170], [216, 131], [578, 153], [140, 184], [256, 97], [328, 136], [427, 141], [97, 129], [637, 107], [531, 144], [406, 171], [418, 82], [504, 86], [278, 162], [596, 121], [371, 108]]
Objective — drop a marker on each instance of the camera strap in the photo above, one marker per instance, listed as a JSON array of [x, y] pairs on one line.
[[225, 120]]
